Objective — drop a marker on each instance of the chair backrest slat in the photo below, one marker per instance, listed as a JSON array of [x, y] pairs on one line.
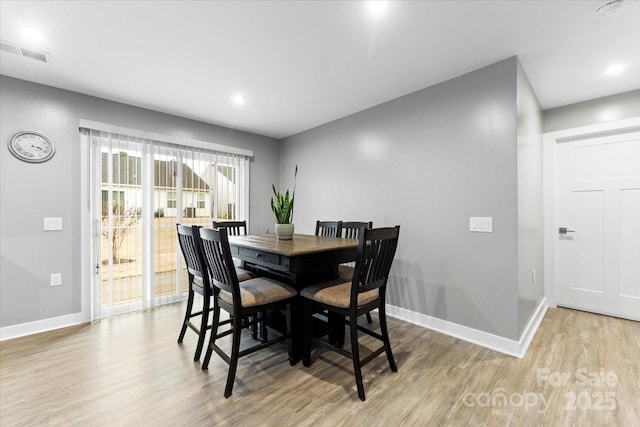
[[218, 261], [189, 250], [329, 228], [376, 250], [234, 228], [352, 229]]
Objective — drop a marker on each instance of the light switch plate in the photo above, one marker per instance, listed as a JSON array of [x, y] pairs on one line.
[[481, 224], [56, 279], [52, 224]]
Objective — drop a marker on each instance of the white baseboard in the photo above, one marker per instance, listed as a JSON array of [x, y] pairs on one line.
[[475, 336], [23, 329]]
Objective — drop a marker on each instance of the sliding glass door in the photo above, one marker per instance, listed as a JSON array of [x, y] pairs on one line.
[[140, 190]]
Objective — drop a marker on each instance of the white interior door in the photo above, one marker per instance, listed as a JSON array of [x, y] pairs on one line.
[[598, 203]]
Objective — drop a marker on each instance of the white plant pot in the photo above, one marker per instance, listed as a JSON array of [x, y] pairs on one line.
[[284, 231]]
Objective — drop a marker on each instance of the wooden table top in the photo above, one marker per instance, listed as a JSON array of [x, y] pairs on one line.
[[301, 244]]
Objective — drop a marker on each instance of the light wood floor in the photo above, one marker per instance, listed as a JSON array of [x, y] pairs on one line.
[[129, 371]]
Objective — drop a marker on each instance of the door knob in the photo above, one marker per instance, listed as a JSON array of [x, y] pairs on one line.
[[563, 230]]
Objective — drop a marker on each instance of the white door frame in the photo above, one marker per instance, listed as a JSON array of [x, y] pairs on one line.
[[86, 239], [550, 228]]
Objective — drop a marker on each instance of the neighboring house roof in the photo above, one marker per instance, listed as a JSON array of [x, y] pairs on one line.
[[127, 170], [224, 174], [229, 172]]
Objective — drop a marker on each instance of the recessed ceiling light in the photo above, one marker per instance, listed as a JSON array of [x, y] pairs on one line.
[[377, 8], [238, 99], [31, 35], [614, 70]]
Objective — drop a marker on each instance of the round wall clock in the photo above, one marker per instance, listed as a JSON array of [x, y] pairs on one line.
[[31, 146]]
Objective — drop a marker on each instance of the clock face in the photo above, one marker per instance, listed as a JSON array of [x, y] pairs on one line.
[[31, 146]]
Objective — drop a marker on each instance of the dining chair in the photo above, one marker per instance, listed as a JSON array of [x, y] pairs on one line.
[[352, 230], [254, 296], [365, 292], [328, 228], [198, 284], [239, 228], [234, 228]]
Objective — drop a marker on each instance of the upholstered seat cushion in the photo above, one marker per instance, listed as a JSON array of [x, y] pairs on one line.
[[336, 293], [260, 291], [243, 274], [197, 281], [345, 272]]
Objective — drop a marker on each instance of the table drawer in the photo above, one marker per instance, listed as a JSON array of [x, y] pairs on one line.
[[259, 256]]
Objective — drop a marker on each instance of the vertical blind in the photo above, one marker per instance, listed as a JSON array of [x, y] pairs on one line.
[[140, 188]]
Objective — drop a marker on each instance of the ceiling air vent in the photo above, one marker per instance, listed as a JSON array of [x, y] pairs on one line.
[[38, 55]]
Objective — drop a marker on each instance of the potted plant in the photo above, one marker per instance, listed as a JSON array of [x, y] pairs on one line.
[[282, 208]]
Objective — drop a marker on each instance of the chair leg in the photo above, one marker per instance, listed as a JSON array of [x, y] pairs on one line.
[[187, 315], [289, 331], [233, 363], [212, 337], [382, 316], [203, 328], [306, 339], [355, 354], [254, 327], [335, 322], [369, 319], [264, 335]]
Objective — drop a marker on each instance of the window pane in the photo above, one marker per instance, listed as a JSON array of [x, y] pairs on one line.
[[121, 231]]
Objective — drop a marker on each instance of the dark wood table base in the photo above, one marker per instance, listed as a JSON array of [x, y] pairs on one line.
[[301, 262]]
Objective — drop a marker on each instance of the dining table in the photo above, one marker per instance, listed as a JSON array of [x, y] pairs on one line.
[[302, 261]]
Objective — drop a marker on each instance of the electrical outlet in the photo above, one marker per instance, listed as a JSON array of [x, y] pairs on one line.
[[56, 279], [533, 276]]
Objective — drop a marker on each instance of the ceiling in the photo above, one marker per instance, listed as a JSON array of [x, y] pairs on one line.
[[302, 64]]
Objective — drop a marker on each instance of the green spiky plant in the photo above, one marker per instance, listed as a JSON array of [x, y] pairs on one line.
[[282, 206]]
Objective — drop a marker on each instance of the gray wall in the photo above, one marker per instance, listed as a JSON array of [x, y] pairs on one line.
[[30, 192], [428, 161], [530, 228], [608, 109]]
